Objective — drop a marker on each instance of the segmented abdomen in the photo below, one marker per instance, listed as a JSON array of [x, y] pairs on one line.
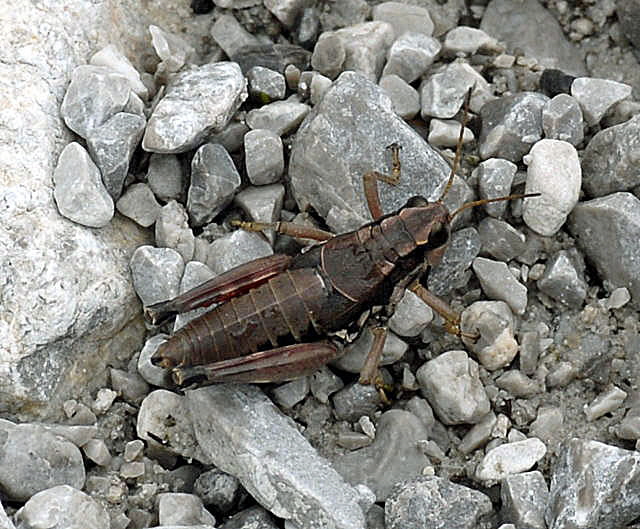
[[285, 305]]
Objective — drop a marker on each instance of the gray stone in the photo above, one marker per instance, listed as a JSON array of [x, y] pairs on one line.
[[453, 270], [78, 434], [393, 457], [154, 375], [530, 348], [132, 470], [94, 95], [229, 34], [251, 518], [365, 46], [246, 436], [111, 146], [629, 19], [479, 434], [165, 176], [329, 155], [264, 158], [286, 11], [172, 230], [410, 316], [174, 52], [265, 85], [495, 177], [318, 88], [435, 502], [524, 498], [236, 248], [231, 137], [410, 56], [518, 23], [176, 508], [442, 94], [562, 281], [111, 58], [328, 55], [139, 204], [500, 240], [629, 427], [354, 401], [562, 120], [610, 160], [554, 171], [78, 189], [510, 458], [517, 384], [607, 229], [289, 394], [195, 274], [452, 386], [468, 40], [618, 298], [156, 273], [606, 402], [445, 133], [197, 101], [323, 382], [548, 424], [511, 125], [578, 500], [404, 98], [280, 117], [563, 373], [78, 413], [218, 490], [356, 352], [404, 18], [5, 521], [214, 181], [493, 321], [96, 450], [164, 417], [33, 459], [498, 283], [62, 506], [597, 96]]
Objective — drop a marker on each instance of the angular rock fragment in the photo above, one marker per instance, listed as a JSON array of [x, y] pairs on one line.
[[78, 189], [393, 457], [111, 146], [611, 159], [94, 95], [247, 437], [197, 101], [33, 459], [62, 506], [594, 485], [436, 503], [510, 458], [511, 125], [410, 55], [139, 204], [156, 273], [330, 155], [607, 229], [597, 96], [214, 181], [452, 386], [562, 120]]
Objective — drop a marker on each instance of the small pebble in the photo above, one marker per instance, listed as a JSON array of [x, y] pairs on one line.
[[510, 458], [604, 403], [597, 96], [139, 204]]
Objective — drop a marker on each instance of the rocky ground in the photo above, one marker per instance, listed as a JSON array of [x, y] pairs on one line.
[[137, 136]]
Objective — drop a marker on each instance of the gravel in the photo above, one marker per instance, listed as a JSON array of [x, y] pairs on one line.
[[126, 165]]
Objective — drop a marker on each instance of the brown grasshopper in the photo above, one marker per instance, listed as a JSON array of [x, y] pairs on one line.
[[297, 300]]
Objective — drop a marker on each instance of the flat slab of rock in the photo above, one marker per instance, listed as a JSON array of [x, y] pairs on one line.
[[331, 154], [245, 435]]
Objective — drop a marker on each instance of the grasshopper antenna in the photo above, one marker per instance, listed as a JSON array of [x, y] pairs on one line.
[[458, 156], [489, 200]]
